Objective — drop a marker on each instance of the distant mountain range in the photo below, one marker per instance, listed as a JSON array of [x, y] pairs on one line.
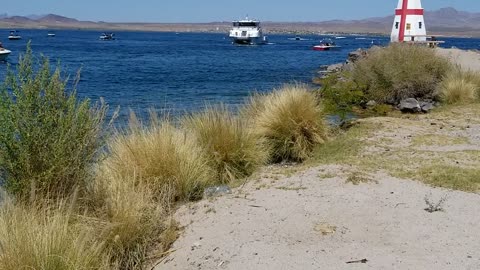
[[42, 20], [445, 21], [442, 21]]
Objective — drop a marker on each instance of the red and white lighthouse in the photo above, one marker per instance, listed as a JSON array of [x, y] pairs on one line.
[[409, 24]]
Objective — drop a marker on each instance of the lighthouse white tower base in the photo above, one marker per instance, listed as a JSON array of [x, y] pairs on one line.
[[409, 24]]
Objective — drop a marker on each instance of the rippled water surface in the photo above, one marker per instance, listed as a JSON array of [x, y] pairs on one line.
[[183, 71]]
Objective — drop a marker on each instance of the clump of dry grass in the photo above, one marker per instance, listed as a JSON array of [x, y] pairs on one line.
[[132, 220], [160, 156], [460, 87], [41, 237], [290, 120], [400, 71], [234, 151]]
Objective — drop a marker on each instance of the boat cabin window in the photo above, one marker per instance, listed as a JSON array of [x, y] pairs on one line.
[[245, 24]]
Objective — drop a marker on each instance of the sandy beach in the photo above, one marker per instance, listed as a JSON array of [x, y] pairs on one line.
[[314, 217], [469, 60]]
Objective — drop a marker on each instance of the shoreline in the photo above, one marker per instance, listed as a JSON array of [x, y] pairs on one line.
[[368, 204], [208, 28]]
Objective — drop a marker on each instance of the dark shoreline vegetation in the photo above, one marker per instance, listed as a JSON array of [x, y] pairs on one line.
[[82, 195]]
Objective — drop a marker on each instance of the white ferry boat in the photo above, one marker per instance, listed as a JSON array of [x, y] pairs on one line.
[[247, 32]]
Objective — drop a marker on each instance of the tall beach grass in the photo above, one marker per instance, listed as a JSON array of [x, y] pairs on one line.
[[290, 120], [460, 87], [234, 151], [131, 219], [50, 238], [161, 157]]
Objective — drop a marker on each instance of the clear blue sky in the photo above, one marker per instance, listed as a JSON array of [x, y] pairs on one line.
[[218, 10]]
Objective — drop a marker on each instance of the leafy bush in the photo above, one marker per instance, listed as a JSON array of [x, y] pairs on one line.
[[400, 71], [161, 157], [38, 237], [234, 151], [48, 138], [340, 94], [290, 120], [460, 86]]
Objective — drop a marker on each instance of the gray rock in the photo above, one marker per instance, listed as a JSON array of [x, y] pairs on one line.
[[325, 70], [371, 103], [216, 191], [410, 105], [427, 106], [335, 67], [356, 55]]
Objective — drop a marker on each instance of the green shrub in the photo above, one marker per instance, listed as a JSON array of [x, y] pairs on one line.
[[162, 157], [381, 109], [400, 71], [340, 94], [290, 120], [460, 86], [48, 138], [234, 151], [38, 237]]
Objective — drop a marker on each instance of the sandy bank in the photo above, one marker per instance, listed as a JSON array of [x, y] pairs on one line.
[[317, 219], [468, 60], [326, 223]]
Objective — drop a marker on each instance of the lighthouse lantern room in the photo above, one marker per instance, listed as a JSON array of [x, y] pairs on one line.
[[409, 24]]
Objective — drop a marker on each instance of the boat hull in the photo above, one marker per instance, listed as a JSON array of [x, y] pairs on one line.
[[14, 37], [325, 48], [249, 41], [4, 55]]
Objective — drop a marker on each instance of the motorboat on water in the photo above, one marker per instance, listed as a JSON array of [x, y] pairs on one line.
[[50, 34], [14, 35], [248, 32], [107, 36], [298, 38], [326, 45], [3, 53]]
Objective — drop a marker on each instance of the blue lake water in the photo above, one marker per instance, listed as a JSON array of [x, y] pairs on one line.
[[183, 72]]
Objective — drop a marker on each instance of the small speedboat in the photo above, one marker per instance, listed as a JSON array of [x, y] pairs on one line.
[[298, 38], [107, 36], [14, 35], [51, 34], [3, 53], [326, 45]]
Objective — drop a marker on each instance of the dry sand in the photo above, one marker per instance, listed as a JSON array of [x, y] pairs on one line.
[[315, 219], [469, 60], [326, 223]]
